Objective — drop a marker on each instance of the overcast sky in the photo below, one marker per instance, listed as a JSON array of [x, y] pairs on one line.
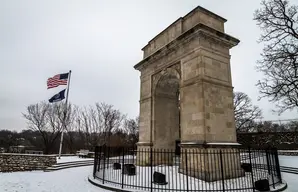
[[101, 41]]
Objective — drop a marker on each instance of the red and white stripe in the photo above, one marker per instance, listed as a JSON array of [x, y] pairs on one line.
[[56, 81]]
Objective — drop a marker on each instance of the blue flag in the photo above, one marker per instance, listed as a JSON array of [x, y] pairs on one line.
[[58, 97]]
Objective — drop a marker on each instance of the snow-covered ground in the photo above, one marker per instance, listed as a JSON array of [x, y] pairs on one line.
[[72, 180], [76, 179], [291, 181], [288, 161]]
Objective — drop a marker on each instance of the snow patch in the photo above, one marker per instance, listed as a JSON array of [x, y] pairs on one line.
[[73, 180]]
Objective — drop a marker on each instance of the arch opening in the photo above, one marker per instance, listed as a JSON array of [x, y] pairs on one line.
[[167, 112]]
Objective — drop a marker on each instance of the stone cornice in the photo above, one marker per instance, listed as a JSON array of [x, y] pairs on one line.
[[202, 79], [207, 12], [145, 144], [145, 99], [197, 31], [181, 19], [203, 144], [170, 62]]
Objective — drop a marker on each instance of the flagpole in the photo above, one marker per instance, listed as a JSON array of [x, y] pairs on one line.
[[65, 113]]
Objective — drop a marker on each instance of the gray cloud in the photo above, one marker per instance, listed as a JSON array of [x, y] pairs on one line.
[[100, 41]]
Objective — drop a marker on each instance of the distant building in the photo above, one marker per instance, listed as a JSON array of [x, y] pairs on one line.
[[24, 149]]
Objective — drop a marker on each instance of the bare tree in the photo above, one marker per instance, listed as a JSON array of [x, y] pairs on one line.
[[278, 21], [132, 129], [269, 126], [79, 126], [293, 126], [55, 119], [96, 124], [89, 129], [245, 112], [42, 117], [112, 120], [69, 118]]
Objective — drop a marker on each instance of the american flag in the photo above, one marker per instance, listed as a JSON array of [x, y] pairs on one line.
[[60, 79]]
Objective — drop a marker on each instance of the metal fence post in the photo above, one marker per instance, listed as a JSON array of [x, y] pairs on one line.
[[277, 166], [108, 150], [222, 171], [271, 167], [252, 173], [122, 172], [151, 167], [95, 161], [104, 164], [186, 167], [99, 157], [267, 159]]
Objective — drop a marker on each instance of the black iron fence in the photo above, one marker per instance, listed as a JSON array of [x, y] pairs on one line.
[[203, 169]]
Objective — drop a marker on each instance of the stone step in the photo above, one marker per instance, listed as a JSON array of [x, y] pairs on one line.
[[69, 165], [66, 167], [73, 162]]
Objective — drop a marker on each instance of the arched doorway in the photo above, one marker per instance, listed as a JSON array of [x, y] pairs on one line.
[[166, 107]]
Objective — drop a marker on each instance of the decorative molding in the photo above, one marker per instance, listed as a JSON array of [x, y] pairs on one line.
[[201, 79], [173, 70], [203, 144], [200, 30], [180, 23], [165, 62], [144, 143], [143, 100]]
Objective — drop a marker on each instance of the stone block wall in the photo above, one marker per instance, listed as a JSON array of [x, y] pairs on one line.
[[10, 162]]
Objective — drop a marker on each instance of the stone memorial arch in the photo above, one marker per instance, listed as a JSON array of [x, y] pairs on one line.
[[186, 90]]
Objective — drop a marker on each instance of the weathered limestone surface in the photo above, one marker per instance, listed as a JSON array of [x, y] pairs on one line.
[[190, 59], [199, 58], [147, 156], [209, 164], [10, 162]]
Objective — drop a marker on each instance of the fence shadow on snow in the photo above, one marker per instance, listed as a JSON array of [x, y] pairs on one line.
[[154, 169]]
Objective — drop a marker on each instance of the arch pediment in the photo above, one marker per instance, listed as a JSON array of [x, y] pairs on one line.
[[167, 80]]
